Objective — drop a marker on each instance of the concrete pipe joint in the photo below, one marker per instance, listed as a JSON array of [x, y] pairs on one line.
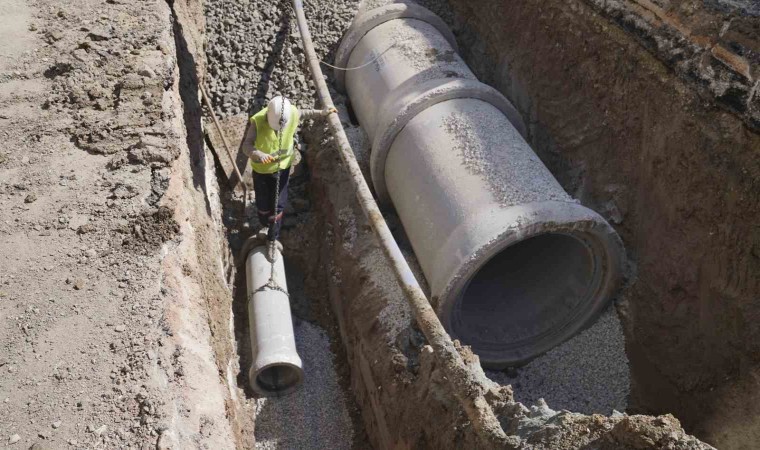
[[515, 265], [276, 369]]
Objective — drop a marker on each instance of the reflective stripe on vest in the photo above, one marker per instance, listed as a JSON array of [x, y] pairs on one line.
[[267, 141]]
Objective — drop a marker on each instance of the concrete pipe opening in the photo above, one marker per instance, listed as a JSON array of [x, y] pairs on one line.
[[528, 298], [277, 379], [515, 265], [276, 369]]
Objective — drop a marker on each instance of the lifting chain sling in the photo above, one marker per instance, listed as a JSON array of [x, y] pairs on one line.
[[272, 243]]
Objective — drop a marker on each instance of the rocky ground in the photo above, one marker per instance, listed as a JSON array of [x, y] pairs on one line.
[[254, 50]]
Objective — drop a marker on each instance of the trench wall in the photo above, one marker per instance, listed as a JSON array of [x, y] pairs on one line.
[[398, 382], [647, 112], [208, 260]]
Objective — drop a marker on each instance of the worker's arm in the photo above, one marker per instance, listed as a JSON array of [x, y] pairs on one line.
[[249, 147], [249, 139], [314, 113]]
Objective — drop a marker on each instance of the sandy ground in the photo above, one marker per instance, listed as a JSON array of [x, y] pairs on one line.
[[100, 347], [15, 38]]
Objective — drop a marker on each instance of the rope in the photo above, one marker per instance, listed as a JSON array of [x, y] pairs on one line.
[[219, 129], [357, 67]]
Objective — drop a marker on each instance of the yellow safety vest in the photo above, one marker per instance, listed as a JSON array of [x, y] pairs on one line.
[[267, 141]]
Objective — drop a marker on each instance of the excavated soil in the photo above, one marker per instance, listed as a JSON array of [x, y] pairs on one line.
[[103, 235]]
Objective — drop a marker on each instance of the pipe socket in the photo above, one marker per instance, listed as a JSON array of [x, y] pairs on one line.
[[276, 369], [515, 265]]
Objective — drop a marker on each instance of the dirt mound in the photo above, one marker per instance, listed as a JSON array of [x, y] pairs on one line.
[[151, 229]]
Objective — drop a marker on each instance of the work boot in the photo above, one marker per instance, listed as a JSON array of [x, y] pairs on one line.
[[263, 234]]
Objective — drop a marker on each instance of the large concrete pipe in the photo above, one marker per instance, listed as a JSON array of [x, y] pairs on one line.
[[515, 265], [276, 369]]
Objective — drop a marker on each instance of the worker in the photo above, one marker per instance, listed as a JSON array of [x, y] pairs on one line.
[[269, 143]]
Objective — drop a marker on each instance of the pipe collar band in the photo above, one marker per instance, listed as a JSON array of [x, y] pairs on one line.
[[406, 103], [364, 23]]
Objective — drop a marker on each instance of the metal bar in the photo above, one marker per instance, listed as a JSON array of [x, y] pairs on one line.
[[479, 412], [226, 143]]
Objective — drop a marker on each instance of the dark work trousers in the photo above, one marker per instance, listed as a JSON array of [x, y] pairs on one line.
[[264, 185]]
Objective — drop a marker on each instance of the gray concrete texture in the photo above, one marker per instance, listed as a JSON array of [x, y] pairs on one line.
[[276, 369], [515, 264]]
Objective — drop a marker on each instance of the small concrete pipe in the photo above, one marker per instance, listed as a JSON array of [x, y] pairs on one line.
[[515, 265], [276, 369]]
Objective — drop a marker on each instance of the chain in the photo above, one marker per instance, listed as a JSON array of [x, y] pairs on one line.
[[272, 284]]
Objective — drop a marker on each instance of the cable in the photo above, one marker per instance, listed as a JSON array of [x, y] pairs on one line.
[[357, 67]]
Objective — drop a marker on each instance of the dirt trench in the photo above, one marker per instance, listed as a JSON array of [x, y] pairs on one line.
[[105, 337], [382, 358]]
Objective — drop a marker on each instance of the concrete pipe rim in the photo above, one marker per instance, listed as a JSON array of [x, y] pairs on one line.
[[372, 18], [260, 386], [604, 253]]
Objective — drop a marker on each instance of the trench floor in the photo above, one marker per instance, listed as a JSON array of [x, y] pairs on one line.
[[323, 412]]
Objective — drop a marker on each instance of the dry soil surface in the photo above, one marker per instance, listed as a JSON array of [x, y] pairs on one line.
[[95, 346]]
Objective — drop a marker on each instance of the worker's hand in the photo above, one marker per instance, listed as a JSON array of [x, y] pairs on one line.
[[261, 157]]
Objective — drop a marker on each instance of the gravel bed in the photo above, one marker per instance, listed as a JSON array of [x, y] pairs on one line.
[[587, 374], [316, 415], [254, 51]]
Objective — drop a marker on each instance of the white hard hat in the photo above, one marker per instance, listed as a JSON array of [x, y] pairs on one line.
[[278, 112]]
